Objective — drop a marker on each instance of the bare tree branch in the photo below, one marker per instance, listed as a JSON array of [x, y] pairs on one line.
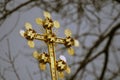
[[15, 9], [11, 61], [99, 41]]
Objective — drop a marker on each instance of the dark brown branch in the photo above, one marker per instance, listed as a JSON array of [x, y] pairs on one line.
[[105, 65], [106, 51], [98, 42], [2, 76], [11, 61], [15, 9], [117, 1], [29, 74], [115, 74], [12, 29]]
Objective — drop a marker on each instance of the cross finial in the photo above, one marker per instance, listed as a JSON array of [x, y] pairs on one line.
[[50, 38]]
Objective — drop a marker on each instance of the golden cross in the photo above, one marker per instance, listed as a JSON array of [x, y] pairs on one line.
[[49, 37]]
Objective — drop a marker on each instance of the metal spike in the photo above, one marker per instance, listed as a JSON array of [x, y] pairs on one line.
[[56, 24], [22, 33], [68, 70], [61, 74], [76, 43], [39, 21], [31, 44], [71, 51], [42, 66], [68, 32], [47, 15], [28, 26]]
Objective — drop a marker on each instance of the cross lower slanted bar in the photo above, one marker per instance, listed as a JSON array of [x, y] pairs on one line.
[[52, 57]]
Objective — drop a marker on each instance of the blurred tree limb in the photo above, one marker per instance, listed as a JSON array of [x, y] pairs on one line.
[[77, 11], [100, 40], [7, 13]]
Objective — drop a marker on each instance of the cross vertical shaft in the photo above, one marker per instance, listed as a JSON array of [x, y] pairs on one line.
[[52, 57], [52, 61]]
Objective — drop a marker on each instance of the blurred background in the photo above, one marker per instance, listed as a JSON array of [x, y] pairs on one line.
[[95, 23]]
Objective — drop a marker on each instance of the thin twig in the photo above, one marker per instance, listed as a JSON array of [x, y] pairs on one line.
[[11, 61]]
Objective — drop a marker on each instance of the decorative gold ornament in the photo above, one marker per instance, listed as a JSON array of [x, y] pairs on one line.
[[50, 39], [61, 65]]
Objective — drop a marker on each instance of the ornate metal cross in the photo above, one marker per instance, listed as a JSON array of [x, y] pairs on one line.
[[49, 37]]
